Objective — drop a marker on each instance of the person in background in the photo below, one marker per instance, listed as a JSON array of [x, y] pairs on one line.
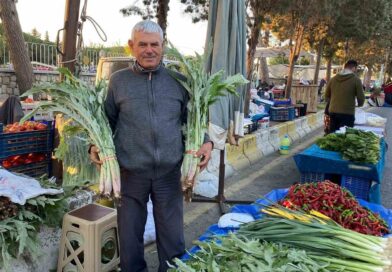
[[323, 81], [341, 93], [387, 88], [261, 88], [146, 108]]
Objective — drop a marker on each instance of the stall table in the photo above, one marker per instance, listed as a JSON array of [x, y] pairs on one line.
[[363, 180], [254, 210]]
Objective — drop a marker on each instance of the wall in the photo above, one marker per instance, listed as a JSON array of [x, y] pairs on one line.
[[8, 85]]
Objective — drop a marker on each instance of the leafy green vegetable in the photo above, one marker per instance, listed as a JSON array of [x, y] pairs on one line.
[[355, 145], [19, 233], [234, 253]]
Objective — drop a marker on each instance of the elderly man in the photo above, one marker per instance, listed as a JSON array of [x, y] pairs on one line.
[[146, 108]]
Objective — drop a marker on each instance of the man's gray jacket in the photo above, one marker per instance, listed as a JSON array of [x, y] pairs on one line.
[[146, 111]]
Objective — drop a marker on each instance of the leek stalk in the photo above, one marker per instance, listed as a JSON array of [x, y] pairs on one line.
[[322, 239], [203, 90], [84, 105]]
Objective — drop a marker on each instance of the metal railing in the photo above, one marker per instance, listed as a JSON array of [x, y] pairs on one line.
[[47, 55]]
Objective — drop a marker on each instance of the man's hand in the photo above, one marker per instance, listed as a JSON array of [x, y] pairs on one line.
[[94, 155], [205, 153]]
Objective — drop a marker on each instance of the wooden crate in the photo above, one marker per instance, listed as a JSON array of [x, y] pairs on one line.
[[305, 94]]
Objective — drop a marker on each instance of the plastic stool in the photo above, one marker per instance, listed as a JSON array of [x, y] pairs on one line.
[[89, 240]]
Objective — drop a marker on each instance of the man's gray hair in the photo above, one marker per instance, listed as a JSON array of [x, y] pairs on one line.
[[147, 26]]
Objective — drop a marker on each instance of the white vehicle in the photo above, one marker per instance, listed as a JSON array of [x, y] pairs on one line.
[[109, 65]]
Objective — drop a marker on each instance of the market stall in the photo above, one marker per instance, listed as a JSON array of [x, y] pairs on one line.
[[352, 158], [316, 164], [275, 237]]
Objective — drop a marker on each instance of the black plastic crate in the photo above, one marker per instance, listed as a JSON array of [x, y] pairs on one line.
[[38, 141], [248, 129]]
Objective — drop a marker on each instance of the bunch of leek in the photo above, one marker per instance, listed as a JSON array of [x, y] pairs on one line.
[[203, 90], [322, 239], [84, 105], [78, 169]]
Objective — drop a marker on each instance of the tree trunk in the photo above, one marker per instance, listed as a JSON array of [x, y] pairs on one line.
[[294, 54], [386, 66], [318, 61], [162, 10], [16, 44], [367, 78], [263, 68], [329, 68], [252, 43]]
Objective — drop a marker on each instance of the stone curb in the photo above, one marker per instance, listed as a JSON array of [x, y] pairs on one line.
[[262, 142]]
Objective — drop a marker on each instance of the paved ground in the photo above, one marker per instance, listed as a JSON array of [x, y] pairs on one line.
[[272, 172]]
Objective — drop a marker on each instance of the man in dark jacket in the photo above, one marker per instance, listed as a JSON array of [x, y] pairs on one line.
[[146, 108], [341, 93]]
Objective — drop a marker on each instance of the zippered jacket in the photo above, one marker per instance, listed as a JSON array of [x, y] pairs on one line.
[[146, 111], [342, 91]]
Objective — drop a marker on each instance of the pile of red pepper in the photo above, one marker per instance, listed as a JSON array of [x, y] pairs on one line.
[[26, 126], [18, 160], [338, 204]]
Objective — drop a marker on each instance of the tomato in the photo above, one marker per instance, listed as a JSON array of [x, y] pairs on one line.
[[40, 126], [6, 164], [13, 129], [27, 161], [14, 158], [41, 157], [29, 100], [15, 163]]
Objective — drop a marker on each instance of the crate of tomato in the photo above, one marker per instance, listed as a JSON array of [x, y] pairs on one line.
[[31, 164], [29, 137]]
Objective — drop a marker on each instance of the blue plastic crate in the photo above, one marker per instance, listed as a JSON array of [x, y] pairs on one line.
[[285, 102], [359, 187], [38, 141], [282, 113], [312, 177]]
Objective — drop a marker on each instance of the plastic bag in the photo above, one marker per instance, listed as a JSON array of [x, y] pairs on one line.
[[234, 220]]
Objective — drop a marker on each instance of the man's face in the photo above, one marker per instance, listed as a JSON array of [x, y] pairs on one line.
[[147, 48]]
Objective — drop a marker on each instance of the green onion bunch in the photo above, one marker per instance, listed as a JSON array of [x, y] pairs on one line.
[[322, 239]]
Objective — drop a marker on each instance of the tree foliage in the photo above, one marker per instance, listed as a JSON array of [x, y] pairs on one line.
[[197, 9], [35, 33], [150, 9]]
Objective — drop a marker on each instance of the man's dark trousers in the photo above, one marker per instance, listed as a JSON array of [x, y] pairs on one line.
[[167, 199], [338, 120]]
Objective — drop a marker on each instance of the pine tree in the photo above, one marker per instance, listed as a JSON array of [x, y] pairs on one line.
[[35, 33], [46, 39], [149, 10]]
